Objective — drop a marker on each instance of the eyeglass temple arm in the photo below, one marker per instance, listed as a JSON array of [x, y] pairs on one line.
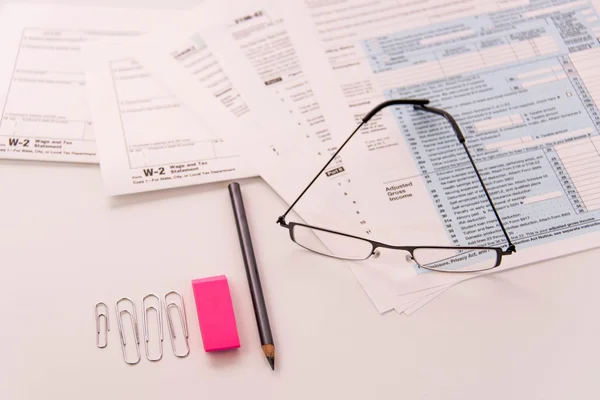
[[461, 138], [365, 119]]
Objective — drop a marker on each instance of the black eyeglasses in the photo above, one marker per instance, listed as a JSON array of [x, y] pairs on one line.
[[435, 258]]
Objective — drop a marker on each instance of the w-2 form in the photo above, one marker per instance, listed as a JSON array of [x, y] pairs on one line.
[[44, 109]]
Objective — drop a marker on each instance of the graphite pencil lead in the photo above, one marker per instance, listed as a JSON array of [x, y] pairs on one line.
[[271, 361]]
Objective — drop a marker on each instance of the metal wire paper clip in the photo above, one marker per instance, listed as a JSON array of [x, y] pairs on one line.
[[99, 315], [134, 324], [182, 318], [156, 308]]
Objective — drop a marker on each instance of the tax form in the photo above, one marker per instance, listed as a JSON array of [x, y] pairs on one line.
[[147, 139], [193, 64], [520, 77], [45, 112]]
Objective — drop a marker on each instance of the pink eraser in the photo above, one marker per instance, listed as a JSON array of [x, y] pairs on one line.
[[215, 313]]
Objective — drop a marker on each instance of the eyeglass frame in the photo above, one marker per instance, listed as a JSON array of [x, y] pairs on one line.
[[418, 104]]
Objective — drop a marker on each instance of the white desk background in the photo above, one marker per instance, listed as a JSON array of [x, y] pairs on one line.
[[531, 333]]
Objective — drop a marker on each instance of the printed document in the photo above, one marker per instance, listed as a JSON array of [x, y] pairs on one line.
[[45, 112], [147, 139]]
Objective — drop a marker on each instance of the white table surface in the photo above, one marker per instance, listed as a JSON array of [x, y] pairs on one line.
[[531, 333]]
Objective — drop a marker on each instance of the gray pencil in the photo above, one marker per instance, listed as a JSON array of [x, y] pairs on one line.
[[258, 300]]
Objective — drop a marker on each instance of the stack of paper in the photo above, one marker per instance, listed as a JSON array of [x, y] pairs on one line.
[[273, 89]]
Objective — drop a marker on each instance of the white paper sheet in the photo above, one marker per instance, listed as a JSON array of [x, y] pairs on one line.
[[423, 301], [416, 300], [147, 139], [45, 112]]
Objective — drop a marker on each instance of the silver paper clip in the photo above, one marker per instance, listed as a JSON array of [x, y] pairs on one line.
[[99, 315], [156, 308], [134, 324], [182, 318]]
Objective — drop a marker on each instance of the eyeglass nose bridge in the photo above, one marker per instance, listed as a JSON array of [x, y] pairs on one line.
[[377, 251]]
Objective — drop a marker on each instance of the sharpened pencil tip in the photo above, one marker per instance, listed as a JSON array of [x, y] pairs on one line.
[[271, 361]]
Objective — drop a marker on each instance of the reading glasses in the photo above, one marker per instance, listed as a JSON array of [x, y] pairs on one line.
[[436, 258]]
